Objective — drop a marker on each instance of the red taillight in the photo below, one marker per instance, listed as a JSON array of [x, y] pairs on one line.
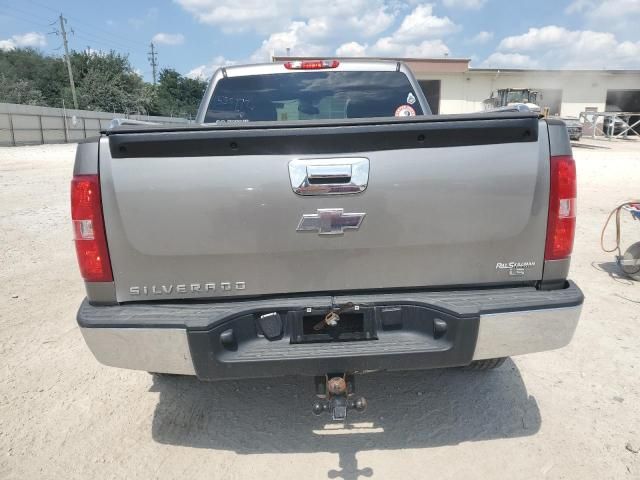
[[311, 64], [88, 229], [561, 224]]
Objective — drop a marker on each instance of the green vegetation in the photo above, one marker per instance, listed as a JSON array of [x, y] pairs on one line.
[[104, 82], [176, 95]]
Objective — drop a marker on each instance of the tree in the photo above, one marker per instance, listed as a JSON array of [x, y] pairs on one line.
[[104, 82], [107, 82], [176, 95], [21, 91], [41, 73]]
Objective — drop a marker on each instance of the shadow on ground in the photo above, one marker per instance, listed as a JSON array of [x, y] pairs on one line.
[[614, 271], [419, 409], [589, 147]]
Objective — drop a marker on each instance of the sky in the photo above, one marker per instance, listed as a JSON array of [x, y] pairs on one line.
[[197, 36]]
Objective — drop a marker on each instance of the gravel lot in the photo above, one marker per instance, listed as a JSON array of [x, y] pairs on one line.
[[571, 413]]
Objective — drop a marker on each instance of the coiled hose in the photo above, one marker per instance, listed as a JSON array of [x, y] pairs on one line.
[[616, 211]]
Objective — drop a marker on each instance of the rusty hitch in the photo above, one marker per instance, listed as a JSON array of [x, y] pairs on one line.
[[336, 394]]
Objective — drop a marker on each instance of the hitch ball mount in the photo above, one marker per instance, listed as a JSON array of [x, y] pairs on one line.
[[336, 394]]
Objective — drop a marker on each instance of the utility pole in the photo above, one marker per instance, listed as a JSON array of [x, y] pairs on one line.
[[153, 59], [68, 58]]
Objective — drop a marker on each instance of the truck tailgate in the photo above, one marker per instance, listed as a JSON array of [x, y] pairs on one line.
[[212, 212]]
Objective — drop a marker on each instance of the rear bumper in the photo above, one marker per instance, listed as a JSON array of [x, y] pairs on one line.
[[223, 340]]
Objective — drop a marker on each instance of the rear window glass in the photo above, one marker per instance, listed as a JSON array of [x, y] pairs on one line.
[[312, 96]]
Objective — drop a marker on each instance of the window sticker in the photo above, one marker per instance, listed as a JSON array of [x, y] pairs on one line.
[[405, 111], [411, 99]]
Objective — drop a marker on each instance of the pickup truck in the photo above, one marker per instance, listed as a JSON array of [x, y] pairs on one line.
[[319, 220]]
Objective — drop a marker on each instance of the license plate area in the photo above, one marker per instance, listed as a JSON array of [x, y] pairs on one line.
[[392, 337], [352, 326]]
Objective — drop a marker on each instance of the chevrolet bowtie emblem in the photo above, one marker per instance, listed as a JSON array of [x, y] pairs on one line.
[[330, 221]]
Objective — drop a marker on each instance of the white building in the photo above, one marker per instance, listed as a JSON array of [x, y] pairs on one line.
[[451, 86]]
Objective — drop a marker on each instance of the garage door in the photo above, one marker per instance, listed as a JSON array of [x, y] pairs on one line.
[[431, 90], [624, 101]]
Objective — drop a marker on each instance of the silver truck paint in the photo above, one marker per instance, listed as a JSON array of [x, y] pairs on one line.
[[434, 217]]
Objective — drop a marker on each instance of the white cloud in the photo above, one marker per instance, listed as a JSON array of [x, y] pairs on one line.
[[545, 37], [466, 4], [481, 37], [558, 47], [233, 16], [509, 60], [323, 27], [168, 38], [30, 39], [578, 6], [618, 16], [388, 47], [351, 49], [616, 8], [315, 35], [298, 38], [421, 23], [604, 8], [359, 17], [413, 38], [204, 72], [372, 22]]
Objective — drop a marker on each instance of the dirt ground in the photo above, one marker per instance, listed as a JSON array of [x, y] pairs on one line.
[[572, 413]]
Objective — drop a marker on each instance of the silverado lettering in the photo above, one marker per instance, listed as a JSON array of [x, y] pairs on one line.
[[185, 288]]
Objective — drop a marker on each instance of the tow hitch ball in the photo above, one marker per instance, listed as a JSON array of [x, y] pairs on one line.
[[336, 394]]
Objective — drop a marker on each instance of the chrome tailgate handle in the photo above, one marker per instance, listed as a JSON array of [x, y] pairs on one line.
[[329, 173], [329, 176]]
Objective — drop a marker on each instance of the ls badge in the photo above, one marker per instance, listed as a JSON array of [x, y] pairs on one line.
[[330, 221]]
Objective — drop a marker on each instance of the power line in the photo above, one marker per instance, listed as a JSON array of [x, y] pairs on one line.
[[110, 46], [109, 43], [45, 23], [153, 59], [22, 19], [88, 25], [29, 14], [92, 37], [106, 39]]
